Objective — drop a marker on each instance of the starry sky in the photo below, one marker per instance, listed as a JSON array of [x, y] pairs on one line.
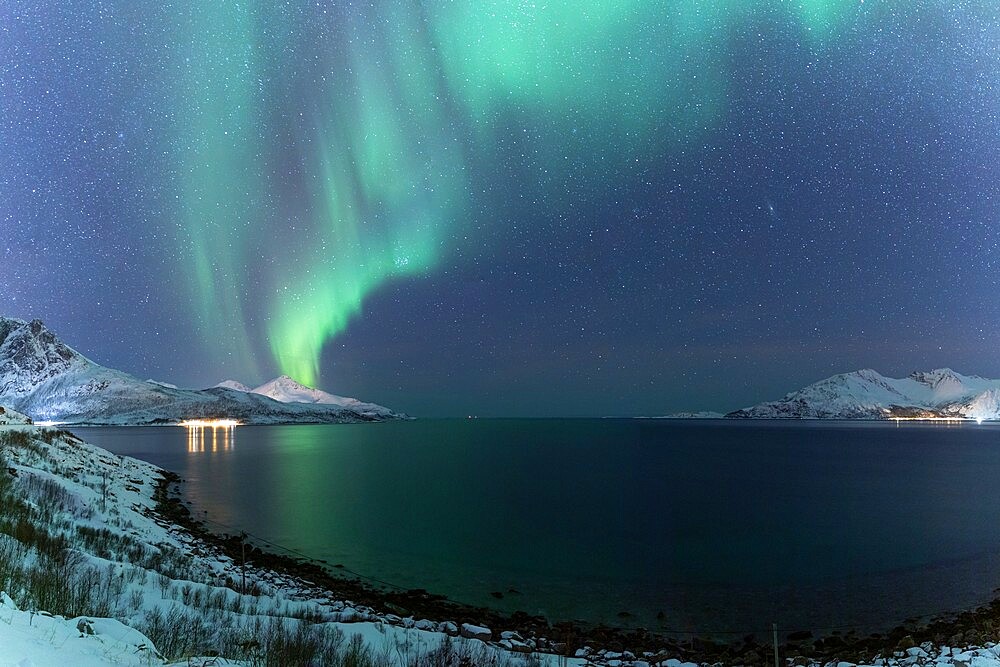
[[506, 208]]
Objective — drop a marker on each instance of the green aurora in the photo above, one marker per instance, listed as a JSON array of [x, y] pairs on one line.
[[391, 106]]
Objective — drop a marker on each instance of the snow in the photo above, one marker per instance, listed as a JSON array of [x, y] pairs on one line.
[[287, 390], [162, 384], [867, 394], [102, 491], [48, 380], [30, 639], [234, 385], [36, 638]]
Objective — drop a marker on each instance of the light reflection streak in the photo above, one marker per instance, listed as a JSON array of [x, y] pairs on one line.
[[223, 437]]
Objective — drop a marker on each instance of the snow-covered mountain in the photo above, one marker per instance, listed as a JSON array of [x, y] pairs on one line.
[[866, 394], [234, 385], [287, 390], [50, 381]]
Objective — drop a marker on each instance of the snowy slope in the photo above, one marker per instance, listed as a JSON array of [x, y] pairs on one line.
[[47, 380], [234, 385], [867, 394], [167, 593], [170, 596], [287, 390]]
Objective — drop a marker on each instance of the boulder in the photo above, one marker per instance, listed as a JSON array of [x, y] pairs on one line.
[[519, 647], [470, 631]]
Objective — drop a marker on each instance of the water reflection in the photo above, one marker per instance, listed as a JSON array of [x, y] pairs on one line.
[[201, 438]]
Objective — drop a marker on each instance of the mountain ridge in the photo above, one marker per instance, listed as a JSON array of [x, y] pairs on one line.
[[867, 394], [284, 389], [47, 380]]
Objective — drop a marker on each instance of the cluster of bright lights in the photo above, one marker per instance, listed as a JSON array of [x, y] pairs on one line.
[[209, 423], [978, 420]]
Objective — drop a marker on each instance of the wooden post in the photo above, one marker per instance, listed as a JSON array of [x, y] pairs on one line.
[[774, 629]]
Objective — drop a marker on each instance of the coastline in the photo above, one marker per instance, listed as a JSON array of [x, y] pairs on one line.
[[972, 628], [136, 503]]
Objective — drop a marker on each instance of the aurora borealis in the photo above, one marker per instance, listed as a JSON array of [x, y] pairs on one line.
[[503, 207]]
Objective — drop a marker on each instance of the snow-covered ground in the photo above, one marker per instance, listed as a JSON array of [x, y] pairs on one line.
[[91, 575], [154, 592]]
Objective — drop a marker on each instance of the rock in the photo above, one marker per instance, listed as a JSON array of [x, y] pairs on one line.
[[424, 624], [470, 631], [448, 627], [349, 615], [509, 634]]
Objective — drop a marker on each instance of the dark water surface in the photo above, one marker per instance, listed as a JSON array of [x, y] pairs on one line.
[[719, 525]]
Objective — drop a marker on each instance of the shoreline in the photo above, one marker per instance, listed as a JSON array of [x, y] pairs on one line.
[[130, 507], [583, 640]]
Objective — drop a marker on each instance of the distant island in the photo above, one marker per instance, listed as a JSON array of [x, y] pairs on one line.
[[49, 381], [866, 394]]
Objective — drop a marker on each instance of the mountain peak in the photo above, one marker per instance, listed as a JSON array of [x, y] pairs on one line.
[[936, 376], [867, 394], [47, 380], [288, 390], [30, 353], [234, 385], [288, 380]]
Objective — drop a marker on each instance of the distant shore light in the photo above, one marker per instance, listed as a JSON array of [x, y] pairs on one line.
[[209, 423], [947, 420]]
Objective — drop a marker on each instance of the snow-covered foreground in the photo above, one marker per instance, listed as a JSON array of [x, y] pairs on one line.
[[91, 575], [136, 590]]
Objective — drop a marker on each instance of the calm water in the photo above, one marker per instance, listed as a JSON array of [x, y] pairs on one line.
[[718, 525]]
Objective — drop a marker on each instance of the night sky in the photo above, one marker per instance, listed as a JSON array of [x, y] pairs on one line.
[[497, 207]]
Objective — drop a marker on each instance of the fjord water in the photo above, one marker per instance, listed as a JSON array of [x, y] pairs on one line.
[[694, 525]]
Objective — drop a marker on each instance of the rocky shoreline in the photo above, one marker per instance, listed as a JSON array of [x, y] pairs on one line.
[[595, 644], [164, 572]]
